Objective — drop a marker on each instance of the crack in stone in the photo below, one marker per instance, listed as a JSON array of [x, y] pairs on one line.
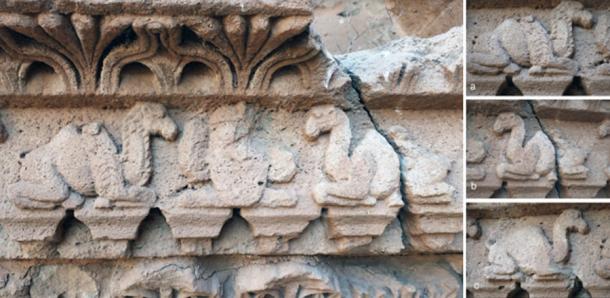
[[355, 85], [545, 131]]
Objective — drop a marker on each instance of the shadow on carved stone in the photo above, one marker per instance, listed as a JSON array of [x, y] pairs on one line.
[[138, 78], [518, 292], [198, 78], [40, 78], [508, 88]]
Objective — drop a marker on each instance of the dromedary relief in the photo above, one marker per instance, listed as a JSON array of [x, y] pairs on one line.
[[532, 161], [542, 259], [526, 43], [357, 184], [426, 171], [83, 161], [240, 172]]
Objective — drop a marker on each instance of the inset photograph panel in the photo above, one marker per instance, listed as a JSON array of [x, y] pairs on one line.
[[538, 149], [538, 250], [548, 48]]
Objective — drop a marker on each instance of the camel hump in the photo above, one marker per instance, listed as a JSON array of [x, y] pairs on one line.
[[387, 166], [546, 162], [513, 40]]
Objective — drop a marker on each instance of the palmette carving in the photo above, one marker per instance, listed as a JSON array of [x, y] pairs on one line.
[[510, 261], [358, 184], [83, 161], [88, 53]]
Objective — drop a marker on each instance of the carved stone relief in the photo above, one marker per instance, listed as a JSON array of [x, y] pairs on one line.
[[541, 148], [522, 48], [216, 149], [542, 249]]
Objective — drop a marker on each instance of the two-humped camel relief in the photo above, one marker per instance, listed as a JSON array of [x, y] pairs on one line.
[[83, 161], [239, 170], [370, 173], [530, 162], [525, 249], [525, 43]]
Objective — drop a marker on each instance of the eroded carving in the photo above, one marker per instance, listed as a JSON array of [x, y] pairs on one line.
[[571, 158], [429, 195], [531, 161], [475, 154], [426, 171], [286, 280], [83, 161], [358, 183], [542, 260], [163, 279], [525, 43], [239, 171]]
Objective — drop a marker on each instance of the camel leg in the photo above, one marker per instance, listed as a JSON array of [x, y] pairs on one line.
[[503, 268], [504, 171], [439, 193], [45, 193], [323, 197]]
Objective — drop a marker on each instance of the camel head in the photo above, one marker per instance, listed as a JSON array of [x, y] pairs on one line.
[[505, 122], [321, 119], [154, 119], [576, 12], [573, 221]]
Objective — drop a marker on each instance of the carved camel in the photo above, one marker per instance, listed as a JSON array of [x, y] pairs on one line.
[[239, 171], [426, 171], [525, 42], [539, 257], [530, 162], [571, 158], [370, 173], [84, 162]]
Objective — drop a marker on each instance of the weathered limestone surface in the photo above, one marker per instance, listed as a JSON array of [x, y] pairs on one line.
[[214, 148], [346, 26], [538, 250], [539, 148], [538, 47]]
